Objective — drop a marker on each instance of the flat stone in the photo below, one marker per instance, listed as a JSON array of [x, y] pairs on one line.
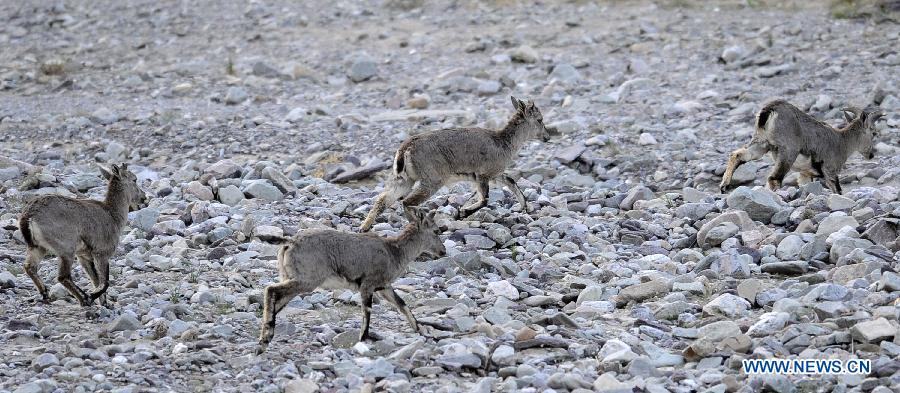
[[834, 223], [759, 203], [125, 322], [841, 275], [570, 153], [224, 169], [264, 190], [641, 292], [728, 305], [768, 324], [749, 288], [43, 361], [787, 268], [230, 195], [874, 331], [301, 386]]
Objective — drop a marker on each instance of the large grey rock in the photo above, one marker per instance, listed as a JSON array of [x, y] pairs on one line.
[[264, 190], [104, 116], [789, 248], [642, 291], [841, 275], [737, 217], [720, 233], [727, 305], [885, 232], [115, 152], [637, 193], [145, 218], [564, 72], [616, 351], [236, 95], [759, 203], [43, 361], [224, 169], [749, 172], [86, 181], [524, 54], [503, 288], [280, 181], [874, 331], [694, 211], [835, 222], [9, 173], [125, 322], [590, 294], [730, 264], [362, 68], [230, 195], [7, 280], [845, 245], [488, 87], [301, 386], [719, 330], [198, 190], [890, 281], [734, 53], [839, 202]]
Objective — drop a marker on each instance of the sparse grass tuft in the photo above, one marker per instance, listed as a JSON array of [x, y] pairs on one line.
[[229, 66], [851, 9], [175, 296]]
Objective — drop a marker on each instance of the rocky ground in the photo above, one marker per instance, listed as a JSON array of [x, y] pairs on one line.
[[631, 273]]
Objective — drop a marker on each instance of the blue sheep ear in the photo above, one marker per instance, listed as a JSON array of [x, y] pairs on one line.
[[518, 105], [107, 173]]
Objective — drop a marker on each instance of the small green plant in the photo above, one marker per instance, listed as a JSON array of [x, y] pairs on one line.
[[229, 66], [223, 307], [514, 252], [194, 277], [175, 296]]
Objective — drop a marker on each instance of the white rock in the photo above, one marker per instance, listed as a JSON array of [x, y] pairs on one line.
[[728, 305], [768, 324], [503, 288]]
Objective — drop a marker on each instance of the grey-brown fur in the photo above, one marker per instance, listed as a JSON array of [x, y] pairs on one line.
[[787, 132], [82, 228], [365, 262], [426, 162]]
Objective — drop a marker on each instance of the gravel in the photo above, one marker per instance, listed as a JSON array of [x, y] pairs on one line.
[[628, 271]]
